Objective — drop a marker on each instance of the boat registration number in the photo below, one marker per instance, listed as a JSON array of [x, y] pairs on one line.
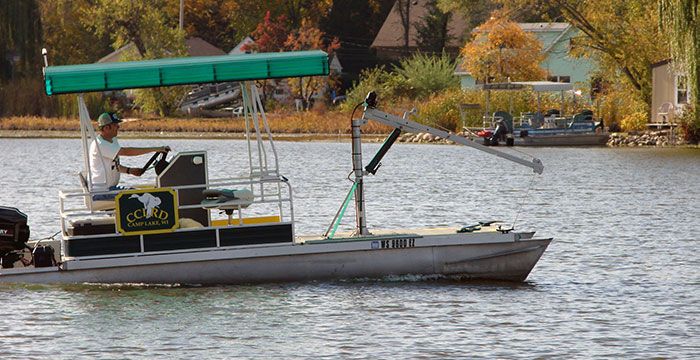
[[398, 243]]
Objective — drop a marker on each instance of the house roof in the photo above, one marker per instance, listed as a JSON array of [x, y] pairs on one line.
[[543, 27], [392, 31], [661, 63], [195, 47], [547, 33], [539, 86]]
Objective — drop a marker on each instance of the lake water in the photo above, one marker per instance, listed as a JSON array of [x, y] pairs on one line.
[[620, 280]]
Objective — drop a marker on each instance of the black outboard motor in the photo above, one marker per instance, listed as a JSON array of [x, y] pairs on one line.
[[14, 234], [503, 132]]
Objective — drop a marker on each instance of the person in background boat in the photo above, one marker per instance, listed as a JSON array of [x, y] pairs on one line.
[[104, 163]]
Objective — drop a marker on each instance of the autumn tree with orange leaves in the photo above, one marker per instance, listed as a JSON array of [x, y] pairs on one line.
[[501, 50]]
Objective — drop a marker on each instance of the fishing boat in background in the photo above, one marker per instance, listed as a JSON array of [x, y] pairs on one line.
[[192, 228], [538, 128]]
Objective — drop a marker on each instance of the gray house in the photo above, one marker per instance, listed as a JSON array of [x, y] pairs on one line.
[[670, 92]]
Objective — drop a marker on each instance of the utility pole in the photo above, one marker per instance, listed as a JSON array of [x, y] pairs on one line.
[[182, 13]]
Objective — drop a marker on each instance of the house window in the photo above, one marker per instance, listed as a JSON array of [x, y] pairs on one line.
[[681, 89], [562, 79]]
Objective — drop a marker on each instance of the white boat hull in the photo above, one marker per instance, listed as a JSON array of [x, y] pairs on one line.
[[465, 256]]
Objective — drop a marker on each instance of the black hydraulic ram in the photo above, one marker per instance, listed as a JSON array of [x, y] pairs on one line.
[[374, 165]]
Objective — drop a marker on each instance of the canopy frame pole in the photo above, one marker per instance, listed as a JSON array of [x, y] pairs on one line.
[[85, 118], [266, 125], [254, 119], [248, 117]]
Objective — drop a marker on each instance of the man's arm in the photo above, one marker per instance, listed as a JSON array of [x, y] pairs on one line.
[[134, 151], [131, 171]]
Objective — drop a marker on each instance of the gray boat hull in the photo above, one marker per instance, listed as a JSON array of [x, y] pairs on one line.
[[491, 260]]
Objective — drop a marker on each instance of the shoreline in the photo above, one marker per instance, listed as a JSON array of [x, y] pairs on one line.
[[66, 134], [298, 137]]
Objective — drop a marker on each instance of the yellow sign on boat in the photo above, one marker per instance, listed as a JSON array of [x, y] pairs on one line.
[[147, 211]]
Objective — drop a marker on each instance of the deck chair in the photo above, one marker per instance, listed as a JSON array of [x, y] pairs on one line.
[[89, 202], [665, 113]]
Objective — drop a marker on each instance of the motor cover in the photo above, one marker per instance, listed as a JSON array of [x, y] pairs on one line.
[[14, 232]]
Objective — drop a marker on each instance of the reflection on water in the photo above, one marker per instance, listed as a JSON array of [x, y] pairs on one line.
[[620, 280]]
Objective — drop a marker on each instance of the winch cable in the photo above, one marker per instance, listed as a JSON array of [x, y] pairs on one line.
[[527, 191], [520, 206]]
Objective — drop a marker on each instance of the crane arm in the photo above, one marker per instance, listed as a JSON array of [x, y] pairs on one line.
[[412, 126]]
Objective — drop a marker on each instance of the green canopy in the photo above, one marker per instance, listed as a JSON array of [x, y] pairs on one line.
[[181, 71]]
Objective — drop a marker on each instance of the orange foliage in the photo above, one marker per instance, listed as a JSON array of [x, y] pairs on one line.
[[501, 50]]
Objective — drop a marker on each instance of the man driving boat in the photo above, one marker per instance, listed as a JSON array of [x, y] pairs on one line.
[[104, 156]]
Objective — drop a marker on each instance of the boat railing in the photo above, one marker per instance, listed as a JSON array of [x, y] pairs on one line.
[[272, 199]]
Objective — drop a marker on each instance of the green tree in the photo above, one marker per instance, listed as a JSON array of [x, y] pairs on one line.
[[432, 32], [140, 22], [680, 19], [154, 36], [474, 12], [219, 22], [20, 39], [67, 37], [311, 11]]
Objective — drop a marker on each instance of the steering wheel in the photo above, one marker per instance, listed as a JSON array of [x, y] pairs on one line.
[[151, 160]]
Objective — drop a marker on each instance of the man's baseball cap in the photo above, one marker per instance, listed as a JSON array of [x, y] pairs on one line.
[[108, 118]]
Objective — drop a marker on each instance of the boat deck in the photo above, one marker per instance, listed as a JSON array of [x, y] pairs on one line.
[[380, 233]]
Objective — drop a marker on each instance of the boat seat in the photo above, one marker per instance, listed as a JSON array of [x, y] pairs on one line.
[[226, 199], [92, 225], [89, 202]]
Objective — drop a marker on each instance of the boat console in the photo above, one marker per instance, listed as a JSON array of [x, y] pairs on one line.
[[187, 169]]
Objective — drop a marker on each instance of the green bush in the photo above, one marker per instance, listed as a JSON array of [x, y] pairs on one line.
[[689, 129], [416, 78], [422, 75], [442, 110], [635, 121], [371, 80]]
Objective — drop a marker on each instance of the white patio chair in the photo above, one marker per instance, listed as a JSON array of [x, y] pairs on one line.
[[665, 113]]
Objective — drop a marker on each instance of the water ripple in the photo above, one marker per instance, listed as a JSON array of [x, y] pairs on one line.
[[620, 281]]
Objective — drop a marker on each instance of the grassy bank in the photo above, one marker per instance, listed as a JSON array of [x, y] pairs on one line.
[[332, 122]]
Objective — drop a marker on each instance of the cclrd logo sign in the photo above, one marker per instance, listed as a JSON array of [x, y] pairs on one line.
[[5, 232], [147, 211]]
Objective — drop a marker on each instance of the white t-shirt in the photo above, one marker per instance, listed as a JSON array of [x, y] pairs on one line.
[[104, 165]]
